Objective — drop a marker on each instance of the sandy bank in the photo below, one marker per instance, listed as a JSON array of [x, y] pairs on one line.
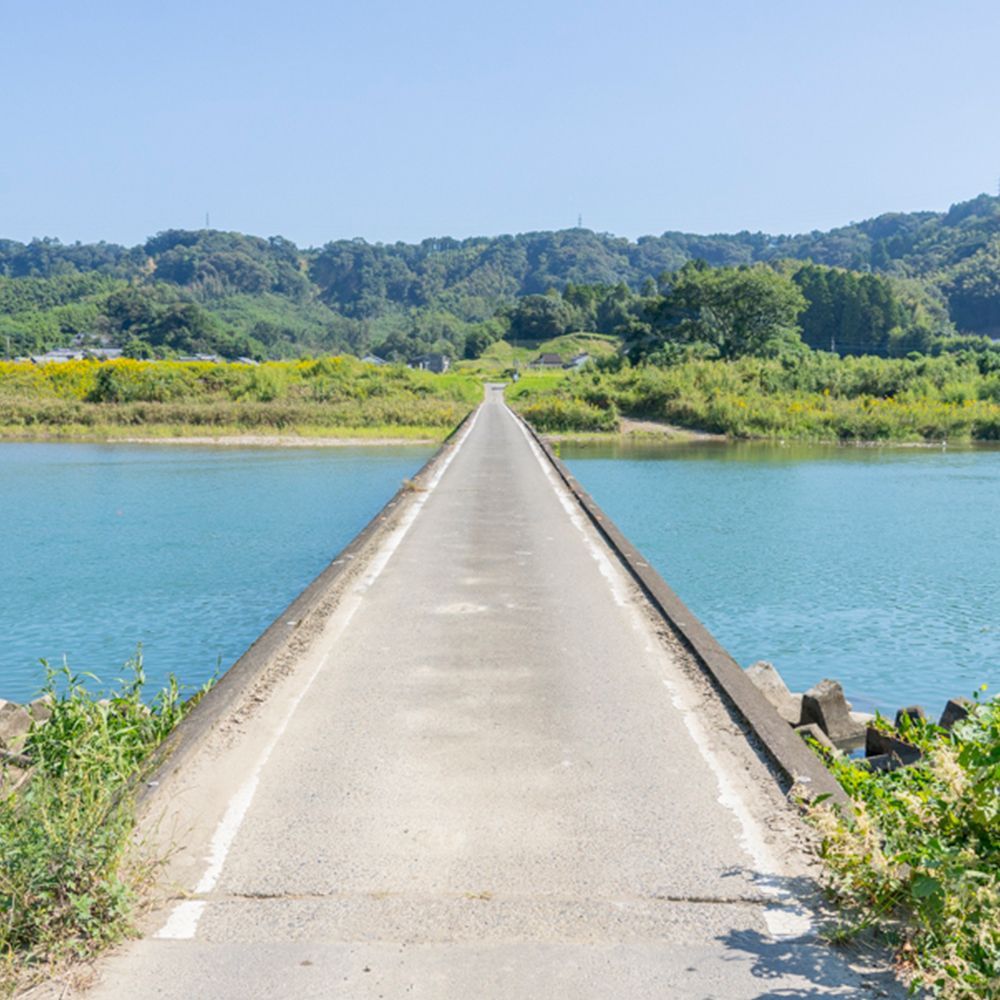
[[642, 429], [272, 441]]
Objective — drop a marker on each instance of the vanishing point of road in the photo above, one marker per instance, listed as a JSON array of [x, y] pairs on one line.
[[493, 772]]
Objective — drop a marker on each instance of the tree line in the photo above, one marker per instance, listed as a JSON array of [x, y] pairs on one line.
[[886, 285]]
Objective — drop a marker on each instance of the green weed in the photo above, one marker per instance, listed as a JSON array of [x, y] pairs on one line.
[[917, 856], [812, 397], [68, 874]]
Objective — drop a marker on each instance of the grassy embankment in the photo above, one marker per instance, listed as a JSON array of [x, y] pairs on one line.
[[329, 397], [918, 856], [69, 872], [502, 355], [816, 397]]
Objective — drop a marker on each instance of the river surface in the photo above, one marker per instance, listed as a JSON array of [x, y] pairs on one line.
[[190, 551], [877, 567], [880, 568]]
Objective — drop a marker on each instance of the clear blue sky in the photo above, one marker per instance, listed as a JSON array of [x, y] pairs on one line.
[[322, 119]]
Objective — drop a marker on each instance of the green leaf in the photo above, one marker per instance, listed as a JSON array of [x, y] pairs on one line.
[[924, 886]]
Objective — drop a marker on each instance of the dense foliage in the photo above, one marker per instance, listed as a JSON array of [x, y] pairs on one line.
[[814, 396], [918, 854], [326, 395], [915, 276], [748, 309], [67, 876]]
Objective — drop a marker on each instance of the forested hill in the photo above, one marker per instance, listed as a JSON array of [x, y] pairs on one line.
[[210, 290]]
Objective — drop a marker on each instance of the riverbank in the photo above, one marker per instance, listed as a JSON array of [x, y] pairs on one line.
[[651, 433], [812, 398], [235, 437], [640, 430], [329, 399]]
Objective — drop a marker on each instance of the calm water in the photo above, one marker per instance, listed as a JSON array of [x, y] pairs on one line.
[[880, 568], [190, 551]]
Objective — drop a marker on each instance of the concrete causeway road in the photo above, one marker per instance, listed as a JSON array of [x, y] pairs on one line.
[[493, 774]]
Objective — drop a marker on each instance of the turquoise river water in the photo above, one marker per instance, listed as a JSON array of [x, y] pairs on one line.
[[191, 551], [880, 568], [877, 567]]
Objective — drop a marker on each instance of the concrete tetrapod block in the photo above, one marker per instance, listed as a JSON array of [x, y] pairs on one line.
[[915, 713], [772, 686], [881, 762], [15, 721], [810, 729], [879, 744], [956, 710], [825, 704]]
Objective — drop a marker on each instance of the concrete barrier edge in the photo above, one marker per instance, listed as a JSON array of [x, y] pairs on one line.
[[235, 685], [786, 750]]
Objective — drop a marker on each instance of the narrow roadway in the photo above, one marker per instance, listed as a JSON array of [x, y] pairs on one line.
[[501, 781]]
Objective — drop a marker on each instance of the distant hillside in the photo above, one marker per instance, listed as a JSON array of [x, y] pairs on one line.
[[186, 291]]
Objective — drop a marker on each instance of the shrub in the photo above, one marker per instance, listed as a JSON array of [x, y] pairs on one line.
[[67, 875], [557, 414], [918, 854]]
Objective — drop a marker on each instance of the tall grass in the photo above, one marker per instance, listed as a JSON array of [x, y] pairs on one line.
[[818, 397], [52, 416], [277, 396], [68, 874]]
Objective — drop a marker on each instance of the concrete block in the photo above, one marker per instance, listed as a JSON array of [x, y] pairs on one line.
[[14, 723], [13, 777], [881, 762], [812, 730], [825, 704], [956, 710], [873, 742], [915, 713], [879, 744], [772, 686], [40, 709]]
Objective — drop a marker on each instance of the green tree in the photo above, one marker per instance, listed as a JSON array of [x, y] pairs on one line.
[[739, 311], [540, 317]]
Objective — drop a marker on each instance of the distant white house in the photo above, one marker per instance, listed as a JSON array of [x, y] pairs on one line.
[[579, 361]]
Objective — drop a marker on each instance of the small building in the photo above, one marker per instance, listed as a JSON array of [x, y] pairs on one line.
[[438, 363], [578, 362], [374, 359], [57, 356], [102, 353], [548, 361]]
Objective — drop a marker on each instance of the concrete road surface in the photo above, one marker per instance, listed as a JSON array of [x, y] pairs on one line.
[[493, 774]]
